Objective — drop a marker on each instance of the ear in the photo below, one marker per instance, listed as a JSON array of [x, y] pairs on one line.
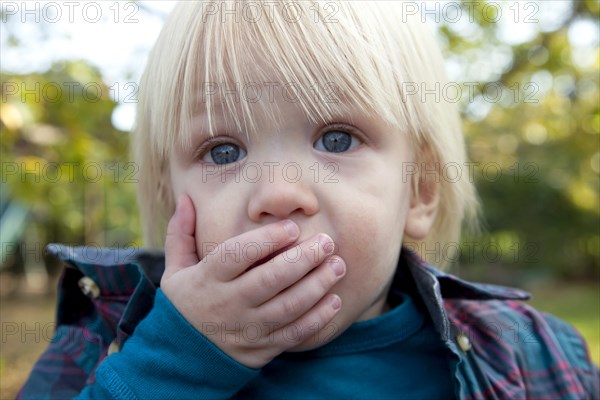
[[425, 198]]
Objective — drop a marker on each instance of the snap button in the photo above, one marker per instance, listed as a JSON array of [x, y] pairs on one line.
[[113, 347], [89, 287], [463, 342]]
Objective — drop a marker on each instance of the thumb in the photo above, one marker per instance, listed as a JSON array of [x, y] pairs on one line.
[[180, 244]]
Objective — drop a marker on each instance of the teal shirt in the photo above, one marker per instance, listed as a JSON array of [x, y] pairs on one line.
[[397, 355], [511, 351]]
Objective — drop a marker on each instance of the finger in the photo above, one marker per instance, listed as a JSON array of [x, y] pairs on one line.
[[234, 256], [314, 326], [267, 280], [180, 244], [295, 301]]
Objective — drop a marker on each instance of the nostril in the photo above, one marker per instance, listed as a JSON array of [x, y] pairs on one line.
[[282, 200]]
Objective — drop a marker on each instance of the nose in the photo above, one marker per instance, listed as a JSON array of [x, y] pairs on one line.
[[281, 195]]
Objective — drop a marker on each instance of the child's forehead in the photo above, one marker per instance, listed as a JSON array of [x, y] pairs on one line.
[[269, 98], [273, 112]]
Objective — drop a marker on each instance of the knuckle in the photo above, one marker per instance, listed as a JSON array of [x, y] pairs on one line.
[[292, 306], [326, 280], [321, 280], [271, 279]]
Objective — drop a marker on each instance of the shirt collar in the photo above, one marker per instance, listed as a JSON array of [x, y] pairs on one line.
[[431, 287], [452, 287], [427, 284]]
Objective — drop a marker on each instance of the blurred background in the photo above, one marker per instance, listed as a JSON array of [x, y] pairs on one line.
[[526, 77]]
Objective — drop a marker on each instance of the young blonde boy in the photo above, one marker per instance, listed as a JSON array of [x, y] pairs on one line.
[[297, 172]]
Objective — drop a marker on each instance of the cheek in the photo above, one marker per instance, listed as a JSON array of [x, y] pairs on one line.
[[371, 248], [371, 235], [218, 211], [376, 208], [371, 230]]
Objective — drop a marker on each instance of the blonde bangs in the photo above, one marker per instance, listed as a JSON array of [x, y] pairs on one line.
[[362, 59]]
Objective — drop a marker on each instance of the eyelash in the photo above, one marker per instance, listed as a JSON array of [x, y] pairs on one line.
[[208, 145], [339, 126], [213, 142]]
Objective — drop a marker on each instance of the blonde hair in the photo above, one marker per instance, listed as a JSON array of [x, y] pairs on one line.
[[368, 50]]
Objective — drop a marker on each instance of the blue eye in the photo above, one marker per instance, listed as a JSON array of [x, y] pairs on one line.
[[224, 153], [336, 142]]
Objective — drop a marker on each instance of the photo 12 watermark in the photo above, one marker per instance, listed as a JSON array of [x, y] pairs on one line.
[[253, 92], [269, 91], [473, 171], [271, 171], [53, 12], [68, 172], [469, 92], [69, 92], [490, 12], [255, 332], [255, 11], [470, 251]]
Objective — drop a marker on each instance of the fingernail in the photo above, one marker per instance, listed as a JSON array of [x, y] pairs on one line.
[[336, 302], [326, 244], [291, 228], [337, 265]]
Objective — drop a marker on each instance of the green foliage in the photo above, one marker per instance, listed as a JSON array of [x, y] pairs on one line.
[[63, 158], [543, 136]]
